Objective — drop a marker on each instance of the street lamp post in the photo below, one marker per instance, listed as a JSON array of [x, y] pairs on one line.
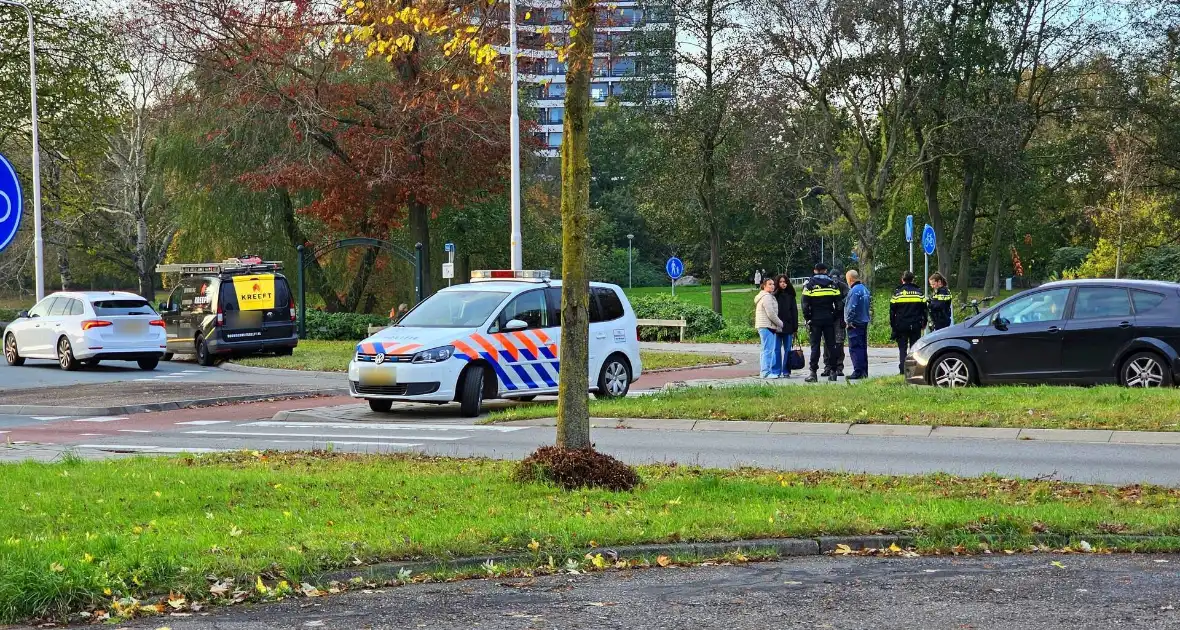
[[630, 239], [38, 244], [517, 255]]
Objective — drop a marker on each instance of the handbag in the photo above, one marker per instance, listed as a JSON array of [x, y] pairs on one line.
[[795, 358]]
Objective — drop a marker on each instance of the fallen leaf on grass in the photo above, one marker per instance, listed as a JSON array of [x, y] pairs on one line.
[[843, 550], [663, 561]]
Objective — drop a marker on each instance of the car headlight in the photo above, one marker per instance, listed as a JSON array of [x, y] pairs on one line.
[[919, 344], [434, 355]]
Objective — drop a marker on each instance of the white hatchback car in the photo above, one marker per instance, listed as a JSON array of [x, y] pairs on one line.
[[496, 337], [83, 328]]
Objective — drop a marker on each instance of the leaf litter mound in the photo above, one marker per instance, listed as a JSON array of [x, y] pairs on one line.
[[574, 468]]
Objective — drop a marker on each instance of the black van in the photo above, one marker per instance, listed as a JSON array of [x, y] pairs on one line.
[[228, 309]]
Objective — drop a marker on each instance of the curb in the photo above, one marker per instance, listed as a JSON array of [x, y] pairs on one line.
[[247, 369], [778, 547], [165, 406], [1080, 436], [781, 547], [701, 366]]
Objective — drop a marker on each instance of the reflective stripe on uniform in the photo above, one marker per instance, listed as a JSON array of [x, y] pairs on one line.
[[941, 297], [906, 298], [821, 292]]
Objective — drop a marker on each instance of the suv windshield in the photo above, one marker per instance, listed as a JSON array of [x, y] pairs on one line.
[[454, 309]]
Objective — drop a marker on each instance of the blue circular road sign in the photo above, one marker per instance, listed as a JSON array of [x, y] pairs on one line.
[[11, 202], [674, 267], [928, 240], [909, 228]]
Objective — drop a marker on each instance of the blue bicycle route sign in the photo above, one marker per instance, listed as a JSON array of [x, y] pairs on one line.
[[11, 202], [674, 267], [909, 228], [928, 240]]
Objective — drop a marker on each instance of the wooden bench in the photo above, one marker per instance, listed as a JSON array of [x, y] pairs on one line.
[[668, 323]]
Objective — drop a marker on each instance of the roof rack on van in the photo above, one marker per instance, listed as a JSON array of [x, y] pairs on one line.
[[230, 266]]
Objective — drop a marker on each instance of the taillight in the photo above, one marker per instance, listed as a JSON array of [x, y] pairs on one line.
[[291, 307], [96, 323], [220, 321], [158, 322], [637, 333]]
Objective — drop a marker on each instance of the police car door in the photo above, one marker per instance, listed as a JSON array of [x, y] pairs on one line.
[[525, 352]]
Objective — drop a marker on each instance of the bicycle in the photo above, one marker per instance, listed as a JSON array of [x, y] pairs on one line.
[[972, 308]]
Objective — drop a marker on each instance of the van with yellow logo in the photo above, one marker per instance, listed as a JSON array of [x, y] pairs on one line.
[[236, 307]]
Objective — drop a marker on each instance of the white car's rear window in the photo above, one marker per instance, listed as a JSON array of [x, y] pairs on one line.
[[122, 307]]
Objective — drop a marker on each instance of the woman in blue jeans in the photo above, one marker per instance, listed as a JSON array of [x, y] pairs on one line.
[[767, 322], [788, 312]]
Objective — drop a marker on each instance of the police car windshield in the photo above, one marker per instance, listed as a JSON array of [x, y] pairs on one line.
[[454, 309]]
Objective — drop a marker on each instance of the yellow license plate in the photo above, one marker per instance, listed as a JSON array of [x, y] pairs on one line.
[[378, 375]]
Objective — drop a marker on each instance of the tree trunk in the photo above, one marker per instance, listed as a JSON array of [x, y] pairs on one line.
[[942, 249], [316, 280], [963, 282], [63, 266], [356, 290], [144, 260], [573, 410], [991, 285], [966, 213], [420, 233], [715, 265]]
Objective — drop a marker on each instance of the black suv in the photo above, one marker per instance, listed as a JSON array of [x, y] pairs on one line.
[[226, 309], [1078, 331]]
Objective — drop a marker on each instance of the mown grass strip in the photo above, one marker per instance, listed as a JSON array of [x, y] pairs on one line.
[[75, 531], [333, 356], [890, 401]]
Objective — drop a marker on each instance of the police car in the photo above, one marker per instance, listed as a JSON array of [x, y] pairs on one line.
[[496, 337]]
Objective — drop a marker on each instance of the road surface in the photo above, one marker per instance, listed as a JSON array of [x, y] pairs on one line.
[[1022, 592]]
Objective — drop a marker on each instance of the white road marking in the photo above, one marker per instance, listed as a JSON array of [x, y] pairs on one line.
[[91, 434], [153, 449], [334, 442], [43, 418], [3, 432], [134, 431], [204, 422], [383, 426], [101, 419], [143, 380], [327, 435], [170, 376], [195, 371]]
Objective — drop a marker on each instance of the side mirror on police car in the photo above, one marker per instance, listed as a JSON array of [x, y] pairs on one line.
[[516, 324]]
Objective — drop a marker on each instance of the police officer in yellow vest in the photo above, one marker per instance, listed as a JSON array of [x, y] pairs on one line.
[[940, 302], [822, 309], [907, 316]]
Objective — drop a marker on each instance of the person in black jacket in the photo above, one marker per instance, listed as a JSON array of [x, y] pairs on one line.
[[907, 316], [788, 311], [841, 326], [940, 302], [821, 300]]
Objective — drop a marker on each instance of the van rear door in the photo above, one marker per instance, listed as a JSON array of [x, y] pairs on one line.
[[256, 308]]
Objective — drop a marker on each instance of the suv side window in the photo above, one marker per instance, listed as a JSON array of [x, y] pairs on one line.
[[609, 303], [1145, 300], [41, 309], [553, 296], [1101, 302], [596, 309], [61, 306], [530, 308]]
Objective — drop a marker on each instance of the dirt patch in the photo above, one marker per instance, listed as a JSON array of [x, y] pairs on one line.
[[573, 468]]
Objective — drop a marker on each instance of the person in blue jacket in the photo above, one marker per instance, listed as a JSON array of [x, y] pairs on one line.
[[856, 317]]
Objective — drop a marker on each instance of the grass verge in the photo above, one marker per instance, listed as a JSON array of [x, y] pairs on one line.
[[890, 401], [77, 534], [333, 356]]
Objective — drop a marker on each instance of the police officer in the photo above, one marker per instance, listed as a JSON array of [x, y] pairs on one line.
[[940, 302], [841, 325], [907, 316], [821, 300]]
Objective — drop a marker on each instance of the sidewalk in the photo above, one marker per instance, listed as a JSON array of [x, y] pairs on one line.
[[876, 430]]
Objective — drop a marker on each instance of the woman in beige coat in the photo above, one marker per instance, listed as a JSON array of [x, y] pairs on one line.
[[767, 321]]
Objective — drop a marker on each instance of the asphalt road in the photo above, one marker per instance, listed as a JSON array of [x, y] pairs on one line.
[[845, 593], [438, 430]]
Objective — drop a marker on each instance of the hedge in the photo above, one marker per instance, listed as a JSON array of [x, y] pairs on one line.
[[341, 326], [701, 319]]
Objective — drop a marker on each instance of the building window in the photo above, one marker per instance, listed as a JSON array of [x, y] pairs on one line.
[[601, 65], [556, 90], [556, 115], [661, 90], [555, 140], [599, 91], [623, 66]]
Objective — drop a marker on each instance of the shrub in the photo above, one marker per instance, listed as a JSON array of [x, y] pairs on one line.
[[8, 314], [732, 333], [701, 319], [341, 326], [573, 468]]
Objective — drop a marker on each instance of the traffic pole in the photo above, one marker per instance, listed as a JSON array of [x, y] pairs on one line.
[[926, 274], [517, 255], [911, 256]]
